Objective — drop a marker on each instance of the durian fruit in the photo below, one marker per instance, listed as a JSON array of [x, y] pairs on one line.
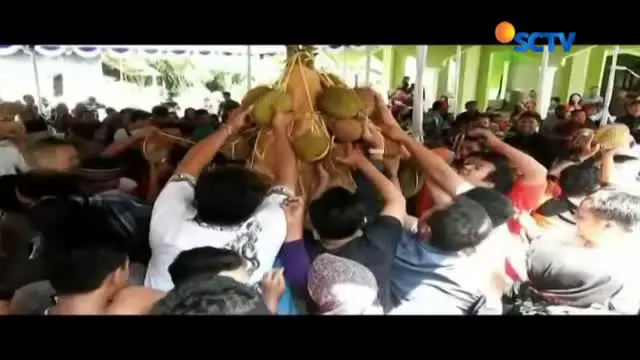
[[267, 105], [254, 94], [410, 178], [346, 130], [613, 136], [333, 79], [368, 98], [314, 144], [340, 103]]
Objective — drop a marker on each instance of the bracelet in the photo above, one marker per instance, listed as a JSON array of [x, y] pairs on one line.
[[376, 151]]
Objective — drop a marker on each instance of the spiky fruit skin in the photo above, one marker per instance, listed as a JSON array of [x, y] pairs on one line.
[[612, 136], [335, 79], [253, 95], [267, 105], [340, 103], [368, 98], [347, 130], [311, 147]]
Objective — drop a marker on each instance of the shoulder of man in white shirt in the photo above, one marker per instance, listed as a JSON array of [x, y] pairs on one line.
[[173, 229]]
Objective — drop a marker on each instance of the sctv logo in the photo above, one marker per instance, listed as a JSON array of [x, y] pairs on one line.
[[505, 33]]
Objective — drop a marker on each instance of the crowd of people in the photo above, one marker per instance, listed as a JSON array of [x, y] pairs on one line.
[[516, 216]]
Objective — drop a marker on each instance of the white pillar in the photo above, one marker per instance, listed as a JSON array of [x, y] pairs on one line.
[[248, 67], [418, 100], [344, 64], [367, 67], [542, 103], [34, 63], [457, 73], [610, 83]]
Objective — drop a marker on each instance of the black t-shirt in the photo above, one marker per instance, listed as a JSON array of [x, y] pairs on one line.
[[375, 249]]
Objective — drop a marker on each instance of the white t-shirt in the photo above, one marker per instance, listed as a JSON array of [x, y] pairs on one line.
[[11, 160], [173, 230]]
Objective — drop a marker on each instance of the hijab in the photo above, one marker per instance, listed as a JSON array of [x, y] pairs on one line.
[[341, 286], [570, 276]]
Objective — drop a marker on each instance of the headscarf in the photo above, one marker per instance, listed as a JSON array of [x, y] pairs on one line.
[[341, 286], [570, 276]]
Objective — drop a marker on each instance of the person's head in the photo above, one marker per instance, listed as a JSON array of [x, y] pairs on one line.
[[575, 99], [607, 216], [437, 107], [99, 174], [405, 81], [52, 153], [110, 111], [481, 120], [81, 253], [634, 108], [471, 106], [458, 227], [211, 295], [488, 169], [139, 119], [444, 99], [570, 276], [45, 102], [160, 114], [340, 286], [207, 260], [579, 117], [228, 195], [22, 191], [337, 214], [528, 123], [468, 147], [533, 94], [91, 100], [29, 100], [580, 179], [595, 110], [594, 91], [202, 116], [226, 95], [189, 114], [555, 101], [560, 112], [35, 126], [62, 109]]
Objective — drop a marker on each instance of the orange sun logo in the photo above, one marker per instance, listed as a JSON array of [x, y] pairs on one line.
[[505, 32]]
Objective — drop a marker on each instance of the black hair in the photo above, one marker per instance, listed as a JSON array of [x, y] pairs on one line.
[[201, 112], [35, 126], [462, 225], [138, 115], [498, 206], [176, 154], [617, 206], [337, 214], [502, 176], [556, 99], [437, 105], [202, 261], [531, 115], [159, 111], [226, 94], [228, 195], [211, 295], [572, 95], [79, 247], [38, 184], [470, 103], [580, 179]]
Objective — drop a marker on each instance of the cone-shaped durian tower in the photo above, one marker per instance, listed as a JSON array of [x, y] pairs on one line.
[[327, 114]]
